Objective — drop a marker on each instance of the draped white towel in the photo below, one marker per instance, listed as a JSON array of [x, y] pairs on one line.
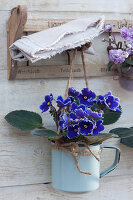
[[47, 43]]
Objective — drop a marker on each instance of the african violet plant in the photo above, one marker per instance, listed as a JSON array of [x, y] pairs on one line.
[[80, 117], [120, 53]]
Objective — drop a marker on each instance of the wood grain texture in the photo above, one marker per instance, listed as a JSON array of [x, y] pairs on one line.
[[15, 29], [67, 5], [34, 25], [112, 188], [60, 71]]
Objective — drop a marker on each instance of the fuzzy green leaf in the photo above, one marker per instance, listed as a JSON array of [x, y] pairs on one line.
[[110, 64], [129, 60], [127, 141], [45, 133], [24, 120], [110, 117], [124, 66], [122, 132]]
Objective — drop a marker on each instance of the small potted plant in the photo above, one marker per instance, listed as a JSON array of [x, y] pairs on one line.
[[121, 54], [77, 142]]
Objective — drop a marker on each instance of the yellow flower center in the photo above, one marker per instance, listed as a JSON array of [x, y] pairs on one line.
[[85, 97], [95, 127], [76, 119], [48, 103], [85, 126], [109, 104], [75, 130]]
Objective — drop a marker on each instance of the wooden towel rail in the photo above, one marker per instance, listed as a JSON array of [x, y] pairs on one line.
[[18, 25]]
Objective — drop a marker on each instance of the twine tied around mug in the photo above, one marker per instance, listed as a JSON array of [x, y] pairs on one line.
[[73, 148]]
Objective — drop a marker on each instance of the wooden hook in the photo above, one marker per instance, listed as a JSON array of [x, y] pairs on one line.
[[15, 28]]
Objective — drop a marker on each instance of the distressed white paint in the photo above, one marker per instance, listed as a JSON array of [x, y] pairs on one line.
[[123, 6], [25, 159], [111, 188]]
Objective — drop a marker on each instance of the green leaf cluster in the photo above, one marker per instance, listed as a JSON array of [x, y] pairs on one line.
[[109, 66], [110, 117], [126, 135], [24, 120]]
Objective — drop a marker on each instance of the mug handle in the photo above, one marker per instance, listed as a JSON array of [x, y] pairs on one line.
[[115, 163]]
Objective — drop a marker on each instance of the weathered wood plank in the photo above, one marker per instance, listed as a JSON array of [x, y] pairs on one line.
[[34, 25], [78, 5], [111, 188], [60, 71]]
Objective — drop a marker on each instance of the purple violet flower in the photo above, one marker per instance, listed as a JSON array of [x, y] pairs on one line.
[[118, 56], [64, 121], [108, 28], [131, 34], [85, 96], [74, 118], [130, 51], [124, 33], [86, 127], [47, 103], [72, 92], [73, 131], [63, 103], [111, 102], [98, 127], [74, 106], [127, 34], [91, 102], [80, 113], [118, 109], [100, 99], [94, 114]]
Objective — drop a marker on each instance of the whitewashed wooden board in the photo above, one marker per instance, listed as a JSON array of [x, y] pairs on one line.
[[67, 5], [111, 188]]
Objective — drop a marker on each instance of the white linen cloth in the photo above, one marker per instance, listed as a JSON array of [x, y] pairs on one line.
[[47, 43]]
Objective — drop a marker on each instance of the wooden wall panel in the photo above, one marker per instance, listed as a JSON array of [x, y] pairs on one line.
[[25, 159], [67, 5]]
